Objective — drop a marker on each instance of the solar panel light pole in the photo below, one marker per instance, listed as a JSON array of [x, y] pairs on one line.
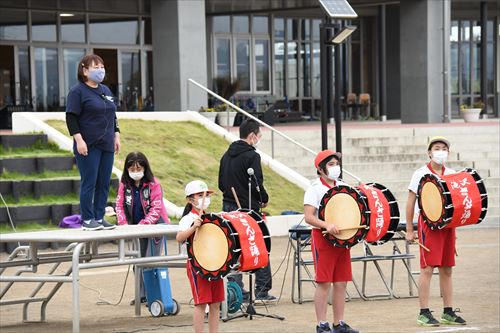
[[332, 35]]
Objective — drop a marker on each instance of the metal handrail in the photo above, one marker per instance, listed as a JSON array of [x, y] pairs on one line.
[[273, 130]]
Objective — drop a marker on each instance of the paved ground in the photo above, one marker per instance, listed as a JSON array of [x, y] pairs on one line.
[[476, 282]]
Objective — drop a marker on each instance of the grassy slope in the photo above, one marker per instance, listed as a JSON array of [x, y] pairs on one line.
[[180, 152]]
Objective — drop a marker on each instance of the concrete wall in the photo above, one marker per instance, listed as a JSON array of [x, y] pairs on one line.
[[421, 48], [393, 83], [179, 42]]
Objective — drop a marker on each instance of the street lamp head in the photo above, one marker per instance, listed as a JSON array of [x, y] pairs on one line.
[[343, 34]]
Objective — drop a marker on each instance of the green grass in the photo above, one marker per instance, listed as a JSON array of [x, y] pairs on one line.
[[182, 151], [8, 175], [6, 228], [38, 149]]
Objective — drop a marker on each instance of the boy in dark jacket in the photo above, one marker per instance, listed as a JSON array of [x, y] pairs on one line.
[[236, 166]]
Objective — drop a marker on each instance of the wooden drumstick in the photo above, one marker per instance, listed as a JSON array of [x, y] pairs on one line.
[[349, 228], [421, 245], [201, 210], [236, 197]]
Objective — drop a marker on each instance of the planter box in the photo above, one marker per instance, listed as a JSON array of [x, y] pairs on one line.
[[209, 115], [22, 140], [226, 119], [471, 115]]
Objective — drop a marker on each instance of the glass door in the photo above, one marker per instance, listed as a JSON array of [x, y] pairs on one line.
[[131, 89], [7, 86], [46, 79], [71, 58]]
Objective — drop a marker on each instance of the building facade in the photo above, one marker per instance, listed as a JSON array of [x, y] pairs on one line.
[[415, 60]]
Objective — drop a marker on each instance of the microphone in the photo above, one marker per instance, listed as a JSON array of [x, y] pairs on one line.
[[251, 173]]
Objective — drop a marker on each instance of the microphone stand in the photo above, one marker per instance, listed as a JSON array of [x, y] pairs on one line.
[[250, 309]]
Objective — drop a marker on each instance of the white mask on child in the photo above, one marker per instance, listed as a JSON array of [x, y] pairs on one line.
[[136, 175], [205, 204], [334, 172], [439, 156]]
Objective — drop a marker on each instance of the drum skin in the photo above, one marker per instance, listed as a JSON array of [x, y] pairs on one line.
[[453, 200], [211, 240], [346, 207]]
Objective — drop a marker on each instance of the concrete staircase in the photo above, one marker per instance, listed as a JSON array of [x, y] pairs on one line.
[[389, 153]]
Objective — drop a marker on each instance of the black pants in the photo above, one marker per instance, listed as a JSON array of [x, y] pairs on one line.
[[263, 277]]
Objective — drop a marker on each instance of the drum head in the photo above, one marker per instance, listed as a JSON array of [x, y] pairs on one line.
[[343, 210], [210, 247], [432, 202]]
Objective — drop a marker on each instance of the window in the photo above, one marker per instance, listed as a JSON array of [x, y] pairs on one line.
[[71, 59], [279, 68], [260, 25], [73, 29], [221, 24], [113, 30], [223, 56], [131, 80], [240, 24], [43, 26], [47, 79], [292, 84], [13, 25], [262, 65], [465, 64], [243, 63]]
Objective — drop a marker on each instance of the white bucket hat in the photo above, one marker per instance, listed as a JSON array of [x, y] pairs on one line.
[[196, 186]]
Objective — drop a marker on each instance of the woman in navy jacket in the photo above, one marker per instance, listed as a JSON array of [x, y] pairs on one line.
[[91, 120]]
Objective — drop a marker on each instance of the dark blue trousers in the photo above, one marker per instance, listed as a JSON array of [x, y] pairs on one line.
[[95, 173]]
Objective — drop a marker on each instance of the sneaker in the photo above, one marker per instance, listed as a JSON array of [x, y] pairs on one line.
[[342, 327], [106, 225], [427, 319], [92, 225], [452, 319], [323, 328], [265, 298]]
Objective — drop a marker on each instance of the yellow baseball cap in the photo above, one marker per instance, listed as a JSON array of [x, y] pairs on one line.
[[435, 139]]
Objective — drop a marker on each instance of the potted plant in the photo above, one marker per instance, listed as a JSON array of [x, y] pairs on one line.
[[226, 89], [471, 112], [208, 113]]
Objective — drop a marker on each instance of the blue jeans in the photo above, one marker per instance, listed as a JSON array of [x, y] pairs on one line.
[[95, 173]]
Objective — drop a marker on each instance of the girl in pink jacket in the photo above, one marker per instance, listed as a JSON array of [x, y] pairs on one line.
[[140, 201]]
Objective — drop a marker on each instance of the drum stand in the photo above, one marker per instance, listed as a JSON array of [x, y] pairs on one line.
[[250, 309]]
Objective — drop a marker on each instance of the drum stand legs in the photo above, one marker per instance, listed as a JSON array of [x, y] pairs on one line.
[[250, 311]]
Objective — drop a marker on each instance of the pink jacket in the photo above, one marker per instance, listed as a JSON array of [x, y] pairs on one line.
[[152, 204]]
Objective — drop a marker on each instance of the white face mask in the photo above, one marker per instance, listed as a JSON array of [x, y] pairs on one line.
[[439, 156], [205, 204], [136, 175], [334, 172]]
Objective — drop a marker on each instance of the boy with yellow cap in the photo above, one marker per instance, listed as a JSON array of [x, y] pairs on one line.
[[441, 243], [332, 265]]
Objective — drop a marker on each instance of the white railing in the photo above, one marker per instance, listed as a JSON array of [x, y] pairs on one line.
[[272, 129]]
